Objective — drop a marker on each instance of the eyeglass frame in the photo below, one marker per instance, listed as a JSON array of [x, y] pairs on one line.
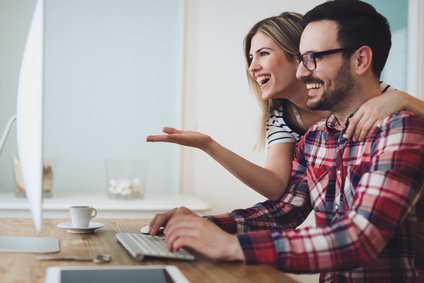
[[314, 55]]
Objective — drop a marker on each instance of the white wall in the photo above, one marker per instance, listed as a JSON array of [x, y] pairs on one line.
[[112, 77], [415, 71]]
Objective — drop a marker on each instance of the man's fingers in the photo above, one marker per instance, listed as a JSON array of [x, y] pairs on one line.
[[160, 220], [179, 229], [353, 124]]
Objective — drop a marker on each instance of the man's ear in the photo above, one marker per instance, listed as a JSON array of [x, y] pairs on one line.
[[363, 60]]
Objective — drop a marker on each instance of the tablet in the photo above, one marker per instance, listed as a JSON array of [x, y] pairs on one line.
[[109, 274]]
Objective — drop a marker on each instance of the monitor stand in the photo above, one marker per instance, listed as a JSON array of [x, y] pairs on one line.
[[29, 245]]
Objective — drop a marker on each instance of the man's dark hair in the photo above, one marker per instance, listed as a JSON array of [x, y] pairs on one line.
[[359, 24]]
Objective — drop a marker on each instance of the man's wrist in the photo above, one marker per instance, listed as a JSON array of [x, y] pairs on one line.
[[236, 252]]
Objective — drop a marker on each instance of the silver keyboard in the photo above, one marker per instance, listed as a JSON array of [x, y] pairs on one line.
[[140, 246]]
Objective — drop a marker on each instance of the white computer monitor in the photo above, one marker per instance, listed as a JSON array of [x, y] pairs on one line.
[[29, 122], [30, 112]]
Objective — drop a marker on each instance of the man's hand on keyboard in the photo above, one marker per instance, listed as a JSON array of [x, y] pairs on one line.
[[203, 236], [161, 219]]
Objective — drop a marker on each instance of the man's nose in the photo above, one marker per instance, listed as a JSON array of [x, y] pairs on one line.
[[302, 72]]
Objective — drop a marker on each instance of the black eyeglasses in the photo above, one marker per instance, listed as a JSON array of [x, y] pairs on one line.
[[308, 59]]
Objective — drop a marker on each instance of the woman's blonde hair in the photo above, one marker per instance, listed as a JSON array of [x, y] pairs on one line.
[[285, 30]]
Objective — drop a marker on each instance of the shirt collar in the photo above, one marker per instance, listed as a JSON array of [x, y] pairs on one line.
[[333, 123]]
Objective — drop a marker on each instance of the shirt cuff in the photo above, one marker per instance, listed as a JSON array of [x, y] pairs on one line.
[[258, 247], [226, 222]]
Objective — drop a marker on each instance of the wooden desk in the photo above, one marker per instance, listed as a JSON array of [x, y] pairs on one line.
[[21, 267]]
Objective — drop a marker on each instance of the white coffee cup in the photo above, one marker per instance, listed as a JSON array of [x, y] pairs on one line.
[[81, 215]]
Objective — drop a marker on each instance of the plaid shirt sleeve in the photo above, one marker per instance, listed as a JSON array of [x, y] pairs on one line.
[[385, 195], [267, 215], [287, 213]]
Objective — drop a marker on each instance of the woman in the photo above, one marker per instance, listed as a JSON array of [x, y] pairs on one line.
[[270, 47]]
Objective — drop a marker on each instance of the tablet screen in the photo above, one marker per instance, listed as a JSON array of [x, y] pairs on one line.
[[109, 274], [117, 275]]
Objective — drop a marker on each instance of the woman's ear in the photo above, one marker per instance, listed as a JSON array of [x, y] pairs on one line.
[[363, 60]]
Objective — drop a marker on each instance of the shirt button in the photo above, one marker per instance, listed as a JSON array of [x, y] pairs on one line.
[[339, 172]]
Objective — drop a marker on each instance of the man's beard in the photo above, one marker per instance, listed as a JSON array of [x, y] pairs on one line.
[[343, 85]]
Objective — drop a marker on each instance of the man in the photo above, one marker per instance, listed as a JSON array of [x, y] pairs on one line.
[[367, 196]]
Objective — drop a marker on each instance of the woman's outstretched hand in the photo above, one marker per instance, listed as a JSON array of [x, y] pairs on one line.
[[187, 138]]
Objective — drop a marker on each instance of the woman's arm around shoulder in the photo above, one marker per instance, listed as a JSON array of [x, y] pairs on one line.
[[375, 110]]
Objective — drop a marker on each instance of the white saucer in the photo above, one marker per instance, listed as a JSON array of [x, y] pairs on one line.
[[80, 230]]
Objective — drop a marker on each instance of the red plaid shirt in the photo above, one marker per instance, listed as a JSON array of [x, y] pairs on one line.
[[368, 202]]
